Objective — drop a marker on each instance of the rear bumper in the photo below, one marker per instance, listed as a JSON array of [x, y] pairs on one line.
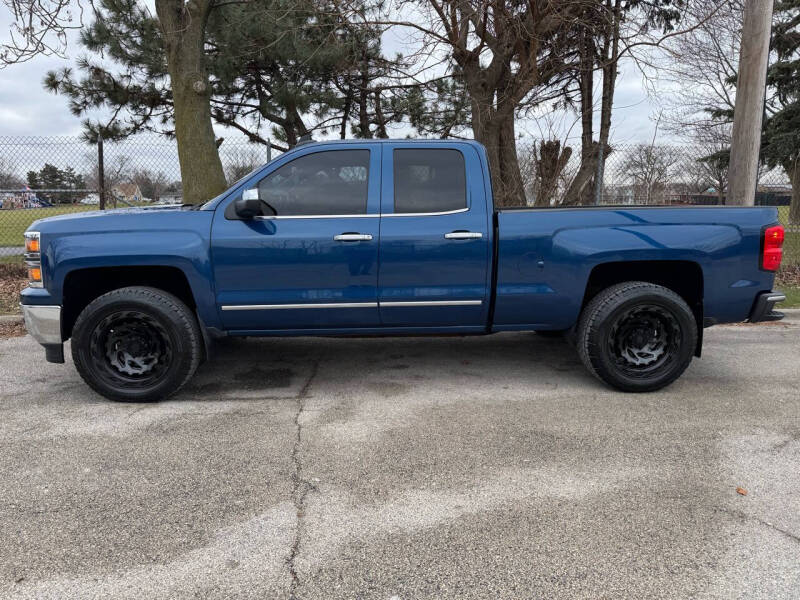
[[44, 325], [763, 308]]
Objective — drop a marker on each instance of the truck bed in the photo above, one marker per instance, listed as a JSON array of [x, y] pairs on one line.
[[546, 257]]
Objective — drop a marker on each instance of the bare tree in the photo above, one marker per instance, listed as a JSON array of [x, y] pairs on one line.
[[8, 179], [151, 184], [649, 167], [39, 27], [508, 55], [542, 167], [526, 151], [612, 32], [115, 171], [702, 65], [241, 162], [712, 144]]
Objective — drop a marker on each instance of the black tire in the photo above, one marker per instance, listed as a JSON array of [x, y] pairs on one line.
[[136, 344], [637, 336]]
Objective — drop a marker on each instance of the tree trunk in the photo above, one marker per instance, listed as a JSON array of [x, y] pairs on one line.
[[498, 137], [577, 191], [583, 189], [584, 192], [551, 163], [202, 176]]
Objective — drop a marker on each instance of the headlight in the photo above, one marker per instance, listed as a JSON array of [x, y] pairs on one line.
[[33, 258]]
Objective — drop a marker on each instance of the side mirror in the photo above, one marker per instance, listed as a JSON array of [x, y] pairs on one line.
[[250, 205]]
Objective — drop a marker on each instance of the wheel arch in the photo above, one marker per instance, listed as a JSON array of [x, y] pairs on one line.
[[82, 286], [683, 277]]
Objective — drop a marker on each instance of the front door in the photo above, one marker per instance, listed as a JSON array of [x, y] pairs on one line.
[[435, 238], [314, 264]]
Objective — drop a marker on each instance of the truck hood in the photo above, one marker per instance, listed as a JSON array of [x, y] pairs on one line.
[[143, 221], [107, 215]]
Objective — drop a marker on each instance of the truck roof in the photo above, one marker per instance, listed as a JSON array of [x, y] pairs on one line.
[[410, 141]]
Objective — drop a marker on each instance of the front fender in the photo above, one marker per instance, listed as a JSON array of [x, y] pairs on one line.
[[185, 250]]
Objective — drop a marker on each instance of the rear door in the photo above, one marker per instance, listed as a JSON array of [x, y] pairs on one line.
[[435, 235]]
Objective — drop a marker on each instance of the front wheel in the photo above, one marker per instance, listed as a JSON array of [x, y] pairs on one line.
[[136, 344], [637, 336]]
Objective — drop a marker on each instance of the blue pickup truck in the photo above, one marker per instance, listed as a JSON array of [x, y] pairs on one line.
[[390, 238]]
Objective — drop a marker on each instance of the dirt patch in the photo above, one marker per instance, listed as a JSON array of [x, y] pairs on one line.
[[13, 278], [11, 329], [789, 275]]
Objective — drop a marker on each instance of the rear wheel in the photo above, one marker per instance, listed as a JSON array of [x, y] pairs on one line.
[[136, 344], [637, 336]]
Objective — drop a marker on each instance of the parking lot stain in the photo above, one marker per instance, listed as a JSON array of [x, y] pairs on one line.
[[389, 388], [258, 378]]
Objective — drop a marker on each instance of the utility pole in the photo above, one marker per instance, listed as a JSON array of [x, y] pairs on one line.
[[749, 110]]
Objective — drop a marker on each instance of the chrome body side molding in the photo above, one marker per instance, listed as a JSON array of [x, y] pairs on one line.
[[399, 304]]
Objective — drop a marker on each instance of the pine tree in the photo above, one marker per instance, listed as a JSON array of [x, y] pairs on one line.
[[51, 177], [299, 66], [781, 140], [302, 65], [158, 76]]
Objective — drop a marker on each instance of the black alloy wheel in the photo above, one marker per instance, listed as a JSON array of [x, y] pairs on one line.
[[136, 344], [637, 336]]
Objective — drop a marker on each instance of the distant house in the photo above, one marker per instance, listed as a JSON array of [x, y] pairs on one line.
[[170, 198], [91, 199], [127, 193]]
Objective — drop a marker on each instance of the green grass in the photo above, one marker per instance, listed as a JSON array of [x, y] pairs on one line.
[[14, 222], [791, 248], [792, 297]]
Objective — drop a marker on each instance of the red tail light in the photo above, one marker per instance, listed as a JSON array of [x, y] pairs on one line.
[[772, 248]]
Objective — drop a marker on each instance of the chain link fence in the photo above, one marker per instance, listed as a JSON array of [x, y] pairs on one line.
[[650, 175], [45, 176]]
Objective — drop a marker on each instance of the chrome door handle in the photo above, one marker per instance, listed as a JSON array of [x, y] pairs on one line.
[[353, 237], [463, 235]]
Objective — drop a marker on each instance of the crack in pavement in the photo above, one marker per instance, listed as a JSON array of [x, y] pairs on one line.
[[741, 515], [301, 487]]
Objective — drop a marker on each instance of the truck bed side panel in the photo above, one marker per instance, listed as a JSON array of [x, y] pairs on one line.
[[545, 257]]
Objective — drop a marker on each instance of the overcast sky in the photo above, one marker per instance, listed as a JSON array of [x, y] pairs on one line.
[[26, 109]]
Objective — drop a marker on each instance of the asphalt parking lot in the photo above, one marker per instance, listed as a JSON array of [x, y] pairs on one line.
[[408, 468]]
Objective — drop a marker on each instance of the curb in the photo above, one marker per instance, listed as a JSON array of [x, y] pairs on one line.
[[792, 314], [10, 318]]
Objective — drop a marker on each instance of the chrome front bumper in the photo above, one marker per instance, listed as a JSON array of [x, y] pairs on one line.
[[43, 323]]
